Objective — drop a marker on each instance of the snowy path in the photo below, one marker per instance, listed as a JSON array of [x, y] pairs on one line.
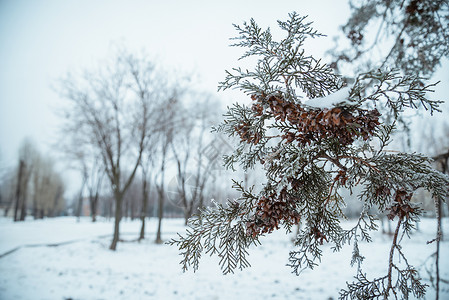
[[86, 269]]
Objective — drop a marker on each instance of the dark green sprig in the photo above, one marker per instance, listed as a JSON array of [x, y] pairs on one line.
[[397, 92], [304, 179], [407, 283], [220, 231], [283, 67]]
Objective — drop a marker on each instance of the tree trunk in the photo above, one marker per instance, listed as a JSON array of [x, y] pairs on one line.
[[110, 208], [23, 203], [8, 207], [80, 200], [143, 213], [133, 208], [160, 215], [93, 206], [161, 190], [18, 191], [36, 195], [118, 216], [23, 208], [35, 209], [55, 202], [187, 215], [142, 228], [79, 208]]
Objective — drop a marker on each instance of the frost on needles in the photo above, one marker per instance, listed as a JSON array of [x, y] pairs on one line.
[[309, 154]]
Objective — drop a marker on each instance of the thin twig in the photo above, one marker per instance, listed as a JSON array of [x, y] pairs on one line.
[[390, 260]]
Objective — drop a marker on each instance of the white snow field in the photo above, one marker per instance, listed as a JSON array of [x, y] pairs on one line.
[[84, 268]]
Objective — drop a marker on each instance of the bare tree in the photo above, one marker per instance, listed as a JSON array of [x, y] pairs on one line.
[[145, 192], [94, 183], [80, 158], [194, 163], [132, 200], [167, 127], [110, 110], [147, 163], [88, 163], [27, 155], [34, 180], [19, 190], [181, 148], [37, 177], [48, 189], [7, 190]]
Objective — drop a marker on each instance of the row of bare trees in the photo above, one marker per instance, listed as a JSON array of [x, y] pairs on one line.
[[32, 186], [128, 120]]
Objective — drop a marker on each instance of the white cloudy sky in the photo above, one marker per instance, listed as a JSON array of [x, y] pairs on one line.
[[40, 40]]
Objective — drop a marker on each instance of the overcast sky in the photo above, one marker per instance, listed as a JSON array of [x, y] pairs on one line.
[[41, 40]]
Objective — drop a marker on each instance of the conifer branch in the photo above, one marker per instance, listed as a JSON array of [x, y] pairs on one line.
[[309, 153]]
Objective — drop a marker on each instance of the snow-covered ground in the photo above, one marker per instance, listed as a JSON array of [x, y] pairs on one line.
[[84, 267]]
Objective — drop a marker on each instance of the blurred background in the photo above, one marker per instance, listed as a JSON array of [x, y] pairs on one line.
[[106, 111], [48, 45]]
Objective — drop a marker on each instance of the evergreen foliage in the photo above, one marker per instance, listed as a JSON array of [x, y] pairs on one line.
[[412, 35], [310, 154]]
